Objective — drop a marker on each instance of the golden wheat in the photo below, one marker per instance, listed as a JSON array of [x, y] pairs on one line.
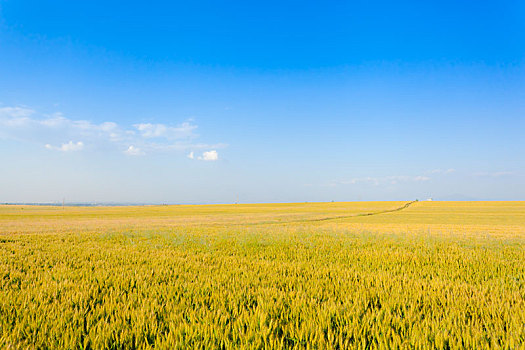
[[310, 275]]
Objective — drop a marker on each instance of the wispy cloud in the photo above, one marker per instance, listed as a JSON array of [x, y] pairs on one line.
[[26, 125], [15, 116], [420, 178], [495, 174], [442, 171], [184, 146], [184, 130], [380, 181]]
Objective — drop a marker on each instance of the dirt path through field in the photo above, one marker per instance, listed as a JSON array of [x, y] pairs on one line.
[[362, 214], [406, 205]]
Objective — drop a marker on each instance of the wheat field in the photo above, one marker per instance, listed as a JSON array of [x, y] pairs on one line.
[[304, 275]]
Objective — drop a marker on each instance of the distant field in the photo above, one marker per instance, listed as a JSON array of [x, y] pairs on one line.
[[303, 275]]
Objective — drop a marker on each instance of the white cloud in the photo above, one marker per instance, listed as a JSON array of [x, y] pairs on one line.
[[209, 156], [184, 130], [26, 125], [67, 147], [134, 151], [151, 130], [70, 146]]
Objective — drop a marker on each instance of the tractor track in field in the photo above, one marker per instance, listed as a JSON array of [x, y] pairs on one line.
[[365, 214], [406, 205]]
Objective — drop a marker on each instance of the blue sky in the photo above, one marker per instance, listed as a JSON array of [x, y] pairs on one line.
[[276, 101]]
